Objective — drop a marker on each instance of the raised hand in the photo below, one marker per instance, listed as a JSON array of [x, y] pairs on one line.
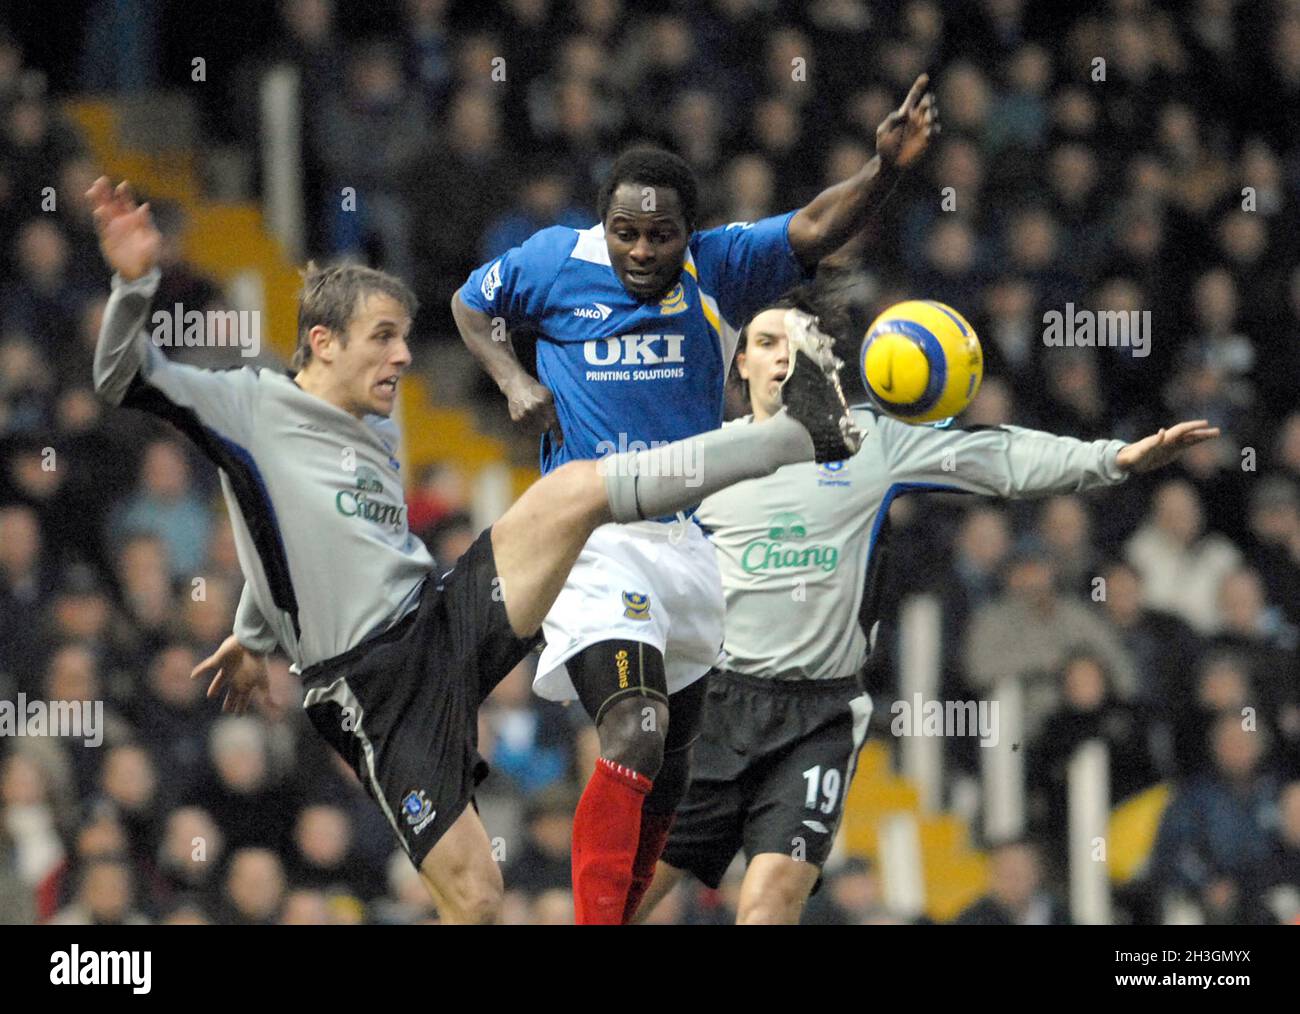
[[1161, 448], [128, 238], [904, 135], [241, 673]]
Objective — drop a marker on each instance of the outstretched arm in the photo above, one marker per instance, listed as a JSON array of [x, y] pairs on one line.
[[129, 369], [841, 211], [1013, 462]]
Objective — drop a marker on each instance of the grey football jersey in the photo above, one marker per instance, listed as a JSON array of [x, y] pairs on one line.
[[314, 494], [795, 547]]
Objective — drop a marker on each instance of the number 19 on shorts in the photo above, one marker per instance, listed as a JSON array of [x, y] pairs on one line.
[[823, 790]]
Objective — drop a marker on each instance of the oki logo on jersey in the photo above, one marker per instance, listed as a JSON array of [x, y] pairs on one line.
[[635, 350]]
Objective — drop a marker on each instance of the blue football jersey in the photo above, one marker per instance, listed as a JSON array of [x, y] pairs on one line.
[[625, 373]]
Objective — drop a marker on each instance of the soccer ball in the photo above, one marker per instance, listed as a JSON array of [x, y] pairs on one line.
[[921, 361]]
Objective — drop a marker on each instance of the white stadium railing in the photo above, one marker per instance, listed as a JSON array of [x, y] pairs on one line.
[[282, 165], [1089, 817], [920, 658], [1003, 766]]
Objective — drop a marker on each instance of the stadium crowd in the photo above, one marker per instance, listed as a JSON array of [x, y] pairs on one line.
[[1160, 616]]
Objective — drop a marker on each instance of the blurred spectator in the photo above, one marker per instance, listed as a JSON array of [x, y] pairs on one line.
[[541, 862], [1181, 566], [850, 895], [546, 199], [1089, 710], [189, 856], [1028, 632], [27, 825], [528, 735], [428, 48], [1065, 529], [1274, 548], [242, 796], [166, 506], [1162, 646], [106, 897], [440, 492], [173, 707], [146, 591], [372, 139], [1281, 876], [24, 589], [1216, 831], [323, 856], [1016, 895], [254, 888], [450, 538], [129, 783]]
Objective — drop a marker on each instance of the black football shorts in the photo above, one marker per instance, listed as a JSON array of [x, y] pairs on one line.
[[402, 707], [769, 771]]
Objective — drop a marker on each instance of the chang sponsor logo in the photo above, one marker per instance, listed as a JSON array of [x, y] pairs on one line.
[[361, 501], [783, 549]]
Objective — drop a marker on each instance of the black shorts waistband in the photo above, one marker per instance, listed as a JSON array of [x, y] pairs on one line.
[[831, 686], [324, 667]]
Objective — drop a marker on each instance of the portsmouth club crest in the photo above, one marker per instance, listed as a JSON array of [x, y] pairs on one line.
[[417, 809], [636, 606], [674, 302]]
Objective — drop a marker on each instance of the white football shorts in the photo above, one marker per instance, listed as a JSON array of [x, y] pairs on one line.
[[650, 582]]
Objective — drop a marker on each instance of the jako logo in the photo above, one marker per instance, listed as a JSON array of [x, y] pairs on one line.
[[102, 968], [491, 281], [599, 312], [635, 350]]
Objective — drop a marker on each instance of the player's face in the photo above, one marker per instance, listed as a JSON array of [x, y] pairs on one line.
[[645, 231], [765, 362], [375, 356]]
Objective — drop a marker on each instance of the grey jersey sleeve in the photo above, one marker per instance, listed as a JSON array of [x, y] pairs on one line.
[[223, 401], [1004, 461], [251, 628]]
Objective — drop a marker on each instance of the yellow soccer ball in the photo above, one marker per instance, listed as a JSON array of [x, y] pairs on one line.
[[921, 361]]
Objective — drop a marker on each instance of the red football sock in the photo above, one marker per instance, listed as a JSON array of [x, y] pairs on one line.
[[606, 831], [654, 836]]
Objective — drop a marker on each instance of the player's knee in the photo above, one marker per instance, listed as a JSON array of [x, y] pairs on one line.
[[671, 782], [476, 897], [632, 734]]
